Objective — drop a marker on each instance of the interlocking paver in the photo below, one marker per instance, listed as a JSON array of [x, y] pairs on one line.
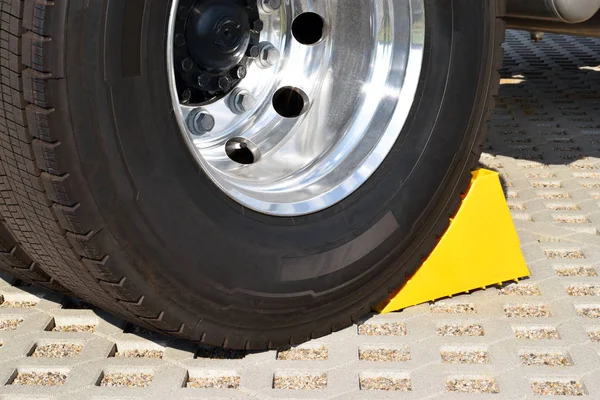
[[534, 338]]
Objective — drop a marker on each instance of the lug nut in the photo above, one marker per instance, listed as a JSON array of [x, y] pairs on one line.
[[258, 25], [253, 51], [187, 64], [268, 55], [224, 83], [203, 81], [186, 96], [180, 40], [239, 72], [268, 6], [241, 101], [200, 122]]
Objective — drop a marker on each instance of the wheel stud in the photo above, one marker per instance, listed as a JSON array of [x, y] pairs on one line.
[[241, 101], [200, 122], [268, 55], [268, 6]]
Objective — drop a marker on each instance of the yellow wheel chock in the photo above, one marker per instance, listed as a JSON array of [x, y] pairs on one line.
[[480, 248]]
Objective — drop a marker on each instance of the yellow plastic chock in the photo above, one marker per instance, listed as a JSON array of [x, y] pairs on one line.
[[480, 248]]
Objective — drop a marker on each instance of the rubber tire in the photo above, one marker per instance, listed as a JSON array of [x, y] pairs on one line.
[[101, 192]]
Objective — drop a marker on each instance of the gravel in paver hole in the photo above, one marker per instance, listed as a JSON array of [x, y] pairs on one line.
[[57, 350], [18, 304], [74, 328], [384, 329], [465, 356], [520, 290], [384, 355], [583, 290], [10, 324], [303, 354], [546, 359], [556, 388], [536, 333], [300, 382], [527, 311], [158, 354], [594, 336], [444, 308], [576, 271], [564, 254], [223, 382], [40, 379], [126, 380], [474, 386], [386, 384], [460, 330], [589, 312]]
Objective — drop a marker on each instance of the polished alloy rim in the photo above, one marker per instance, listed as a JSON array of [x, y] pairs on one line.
[[289, 106]]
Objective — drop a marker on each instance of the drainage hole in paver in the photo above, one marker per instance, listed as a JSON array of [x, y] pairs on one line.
[[213, 380], [73, 303], [71, 327], [594, 335], [588, 311], [55, 350], [558, 388], [575, 271], [540, 333], [10, 324], [520, 290], [382, 329], [472, 385], [571, 219], [460, 330], [563, 207], [465, 356], [583, 290], [447, 308], [554, 195], [17, 303], [384, 354], [381, 381], [300, 381], [550, 359], [39, 378], [317, 353], [134, 352], [546, 185], [125, 379], [540, 175], [527, 311], [517, 207], [217, 353], [591, 185]]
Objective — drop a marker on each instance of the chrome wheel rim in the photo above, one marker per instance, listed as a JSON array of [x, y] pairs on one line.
[[317, 110]]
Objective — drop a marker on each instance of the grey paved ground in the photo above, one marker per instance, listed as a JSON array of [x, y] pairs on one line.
[[539, 337]]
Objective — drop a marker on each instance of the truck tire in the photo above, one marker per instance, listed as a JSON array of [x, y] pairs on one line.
[[111, 187]]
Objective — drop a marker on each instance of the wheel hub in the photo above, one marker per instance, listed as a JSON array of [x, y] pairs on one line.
[[215, 40], [290, 106]]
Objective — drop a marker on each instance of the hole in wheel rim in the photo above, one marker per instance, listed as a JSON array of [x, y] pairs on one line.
[[242, 151], [290, 102], [308, 28]]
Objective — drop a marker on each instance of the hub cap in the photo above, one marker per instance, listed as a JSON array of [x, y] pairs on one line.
[[290, 106]]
